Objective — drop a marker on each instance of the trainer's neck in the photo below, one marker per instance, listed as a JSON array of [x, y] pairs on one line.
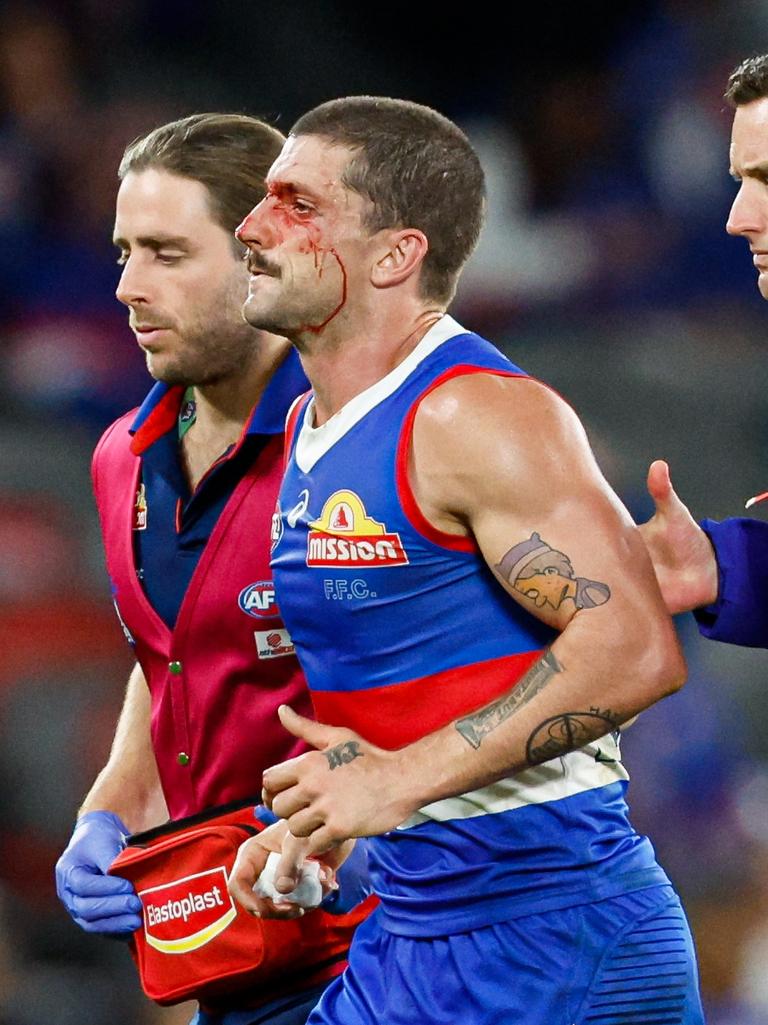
[[224, 407]]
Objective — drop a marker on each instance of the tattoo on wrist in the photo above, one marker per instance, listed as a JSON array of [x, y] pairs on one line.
[[474, 728], [545, 576], [567, 732], [342, 754]]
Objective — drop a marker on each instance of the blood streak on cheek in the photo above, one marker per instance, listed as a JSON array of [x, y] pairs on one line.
[[287, 220], [320, 256]]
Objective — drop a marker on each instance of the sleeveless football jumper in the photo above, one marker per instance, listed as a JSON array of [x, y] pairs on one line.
[[400, 630]]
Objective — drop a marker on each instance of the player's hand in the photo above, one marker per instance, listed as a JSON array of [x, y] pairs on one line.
[[252, 857], [682, 555], [97, 902], [346, 788]]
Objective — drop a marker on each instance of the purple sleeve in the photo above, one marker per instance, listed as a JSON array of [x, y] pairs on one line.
[[740, 613]]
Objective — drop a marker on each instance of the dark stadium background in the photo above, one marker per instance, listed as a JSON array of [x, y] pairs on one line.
[[604, 269]]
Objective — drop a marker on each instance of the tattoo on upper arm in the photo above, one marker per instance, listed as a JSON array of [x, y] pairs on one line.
[[342, 754], [478, 725], [567, 732], [546, 576]]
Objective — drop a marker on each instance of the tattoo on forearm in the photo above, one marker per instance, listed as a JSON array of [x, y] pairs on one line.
[[546, 576], [478, 725], [342, 754], [567, 732]]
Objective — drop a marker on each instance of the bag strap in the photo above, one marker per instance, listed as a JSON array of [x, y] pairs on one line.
[[149, 836]]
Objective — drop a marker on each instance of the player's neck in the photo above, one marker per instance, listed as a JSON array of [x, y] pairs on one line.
[[342, 367]]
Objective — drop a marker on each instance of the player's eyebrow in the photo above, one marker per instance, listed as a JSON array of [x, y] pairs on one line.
[[159, 240], [289, 190], [759, 170]]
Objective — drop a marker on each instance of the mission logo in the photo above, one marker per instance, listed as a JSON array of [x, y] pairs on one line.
[[346, 536]]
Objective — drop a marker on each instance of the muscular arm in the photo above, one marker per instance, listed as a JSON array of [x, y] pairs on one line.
[[507, 462], [129, 784], [561, 544]]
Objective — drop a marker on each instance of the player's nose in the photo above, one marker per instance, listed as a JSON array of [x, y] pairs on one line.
[[132, 287], [254, 230], [749, 212]]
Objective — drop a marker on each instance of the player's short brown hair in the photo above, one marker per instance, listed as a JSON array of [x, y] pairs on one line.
[[228, 153], [418, 170], [748, 82]]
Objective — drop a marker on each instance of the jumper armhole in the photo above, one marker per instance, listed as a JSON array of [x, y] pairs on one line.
[[291, 420], [415, 516]]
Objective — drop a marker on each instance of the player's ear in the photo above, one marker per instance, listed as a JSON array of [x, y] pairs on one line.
[[400, 255]]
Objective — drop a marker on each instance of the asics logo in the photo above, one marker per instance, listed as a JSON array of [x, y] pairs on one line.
[[295, 514]]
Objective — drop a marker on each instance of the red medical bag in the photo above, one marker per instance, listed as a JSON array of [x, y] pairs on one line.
[[196, 941]]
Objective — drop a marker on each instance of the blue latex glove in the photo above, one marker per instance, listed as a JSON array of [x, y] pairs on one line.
[[97, 902]]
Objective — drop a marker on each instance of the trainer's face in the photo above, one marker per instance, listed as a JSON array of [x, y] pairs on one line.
[[182, 280], [309, 253], [749, 166]]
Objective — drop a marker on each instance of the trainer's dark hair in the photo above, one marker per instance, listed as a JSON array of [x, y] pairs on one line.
[[418, 170], [228, 153], [748, 82]]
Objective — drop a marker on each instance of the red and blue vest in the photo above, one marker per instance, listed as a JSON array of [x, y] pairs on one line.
[[217, 678]]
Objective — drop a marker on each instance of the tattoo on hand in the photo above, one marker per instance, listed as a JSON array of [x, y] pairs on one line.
[[478, 725], [567, 732], [342, 754], [546, 576]]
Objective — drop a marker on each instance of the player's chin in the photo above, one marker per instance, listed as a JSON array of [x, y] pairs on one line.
[[266, 316], [762, 283], [167, 369], [253, 311]]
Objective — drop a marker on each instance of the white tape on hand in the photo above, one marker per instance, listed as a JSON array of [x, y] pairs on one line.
[[308, 893]]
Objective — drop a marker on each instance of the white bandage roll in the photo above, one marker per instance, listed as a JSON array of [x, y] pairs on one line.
[[308, 893]]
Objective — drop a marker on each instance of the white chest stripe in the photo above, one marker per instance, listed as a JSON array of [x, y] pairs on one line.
[[314, 442], [572, 774]]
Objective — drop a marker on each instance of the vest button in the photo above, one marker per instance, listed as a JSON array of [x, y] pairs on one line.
[[182, 758], [175, 668]]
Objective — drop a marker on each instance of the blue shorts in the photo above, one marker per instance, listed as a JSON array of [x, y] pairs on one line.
[[628, 960]]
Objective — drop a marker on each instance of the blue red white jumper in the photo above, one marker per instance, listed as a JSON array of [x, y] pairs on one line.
[[401, 629]]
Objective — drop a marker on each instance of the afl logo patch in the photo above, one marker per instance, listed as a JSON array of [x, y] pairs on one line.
[[259, 600]]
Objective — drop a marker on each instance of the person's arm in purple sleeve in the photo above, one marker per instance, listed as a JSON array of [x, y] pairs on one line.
[[739, 614], [716, 570]]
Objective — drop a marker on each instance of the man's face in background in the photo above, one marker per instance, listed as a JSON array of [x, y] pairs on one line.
[[182, 279]]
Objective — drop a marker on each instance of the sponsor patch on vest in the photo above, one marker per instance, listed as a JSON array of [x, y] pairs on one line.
[[345, 535], [259, 600], [273, 643], [187, 913]]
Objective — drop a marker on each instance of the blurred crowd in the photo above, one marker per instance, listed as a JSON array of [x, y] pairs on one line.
[[604, 268]]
